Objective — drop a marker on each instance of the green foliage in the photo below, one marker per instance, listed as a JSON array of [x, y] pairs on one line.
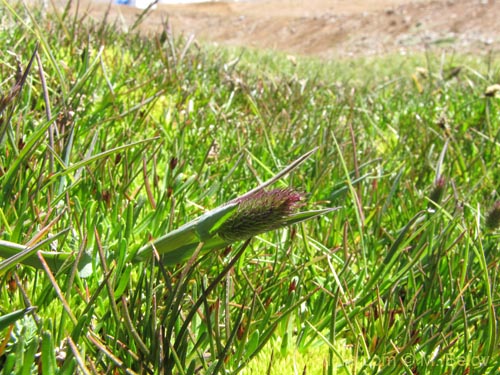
[[109, 140]]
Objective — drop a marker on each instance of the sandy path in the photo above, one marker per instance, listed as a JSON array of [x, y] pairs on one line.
[[330, 28]]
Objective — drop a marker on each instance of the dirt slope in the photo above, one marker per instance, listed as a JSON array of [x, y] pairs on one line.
[[328, 28]]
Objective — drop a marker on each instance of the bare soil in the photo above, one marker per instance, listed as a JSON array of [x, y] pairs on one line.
[[326, 28]]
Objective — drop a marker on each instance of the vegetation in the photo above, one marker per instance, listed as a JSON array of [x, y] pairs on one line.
[[110, 140]]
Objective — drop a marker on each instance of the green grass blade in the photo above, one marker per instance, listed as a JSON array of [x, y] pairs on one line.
[[10, 318]]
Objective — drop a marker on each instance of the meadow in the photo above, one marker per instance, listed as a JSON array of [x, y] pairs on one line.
[[110, 140]]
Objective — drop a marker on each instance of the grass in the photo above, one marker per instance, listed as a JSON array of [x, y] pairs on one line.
[[109, 140]]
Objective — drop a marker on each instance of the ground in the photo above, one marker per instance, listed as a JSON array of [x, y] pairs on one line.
[[327, 28]]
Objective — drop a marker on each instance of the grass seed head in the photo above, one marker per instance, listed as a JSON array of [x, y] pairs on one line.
[[438, 191], [493, 218], [259, 213]]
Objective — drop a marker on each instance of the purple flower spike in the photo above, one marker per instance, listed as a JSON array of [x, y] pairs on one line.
[[260, 212]]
